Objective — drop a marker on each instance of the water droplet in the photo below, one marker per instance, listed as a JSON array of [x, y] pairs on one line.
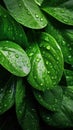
[[57, 58], [20, 111], [9, 29], [36, 16], [46, 62], [63, 42], [41, 19], [21, 35], [1, 89], [19, 4], [56, 100], [30, 54], [16, 55], [70, 48], [62, 11], [7, 42], [5, 105], [57, 62], [28, 65], [38, 59], [47, 118], [65, 20], [41, 84], [69, 56], [48, 72], [48, 47], [39, 96], [5, 16], [52, 77], [10, 91]]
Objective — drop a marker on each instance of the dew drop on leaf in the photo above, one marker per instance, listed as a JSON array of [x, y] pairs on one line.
[[5, 105], [41, 19], [5, 16], [48, 72], [16, 55], [20, 35], [19, 4], [41, 84], [30, 54], [47, 118], [70, 48], [48, 47], [46, 62], [9, 29], [69, 56], [38, 59], [36, 16], [63, 42]]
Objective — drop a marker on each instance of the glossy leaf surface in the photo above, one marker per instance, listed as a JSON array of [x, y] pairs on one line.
[[7, 91], [10, 29], [47, 63], [27, 13], [64, 36], [14, 58], [61, 10], [25, 110], [50, 99]]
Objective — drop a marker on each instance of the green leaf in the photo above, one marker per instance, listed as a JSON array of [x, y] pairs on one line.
[[47, 63], [61, 10], [69, 77], [7, 91], [11, 30], [38, 2], [64, 36], [64, 116], [27, 13], [25, 110], [50, 99], [14, 59]]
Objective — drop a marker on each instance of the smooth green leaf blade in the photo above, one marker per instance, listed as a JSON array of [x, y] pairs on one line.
[[11, 30], [47, 63], [62, 11], [20, 98], [14, 58], [69, 77], [38, 2], [59, 119], [64, 116], [7, 91], [64, 36], [50, 99], [27, 13], [25, 110]]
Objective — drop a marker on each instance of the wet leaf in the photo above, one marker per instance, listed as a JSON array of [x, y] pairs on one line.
[[50, 99], [25, 110], [7, 92], [64, 36], [38, 2], [27, 13], [14, 58], [11, 30], [47, 63], [61, 10]]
